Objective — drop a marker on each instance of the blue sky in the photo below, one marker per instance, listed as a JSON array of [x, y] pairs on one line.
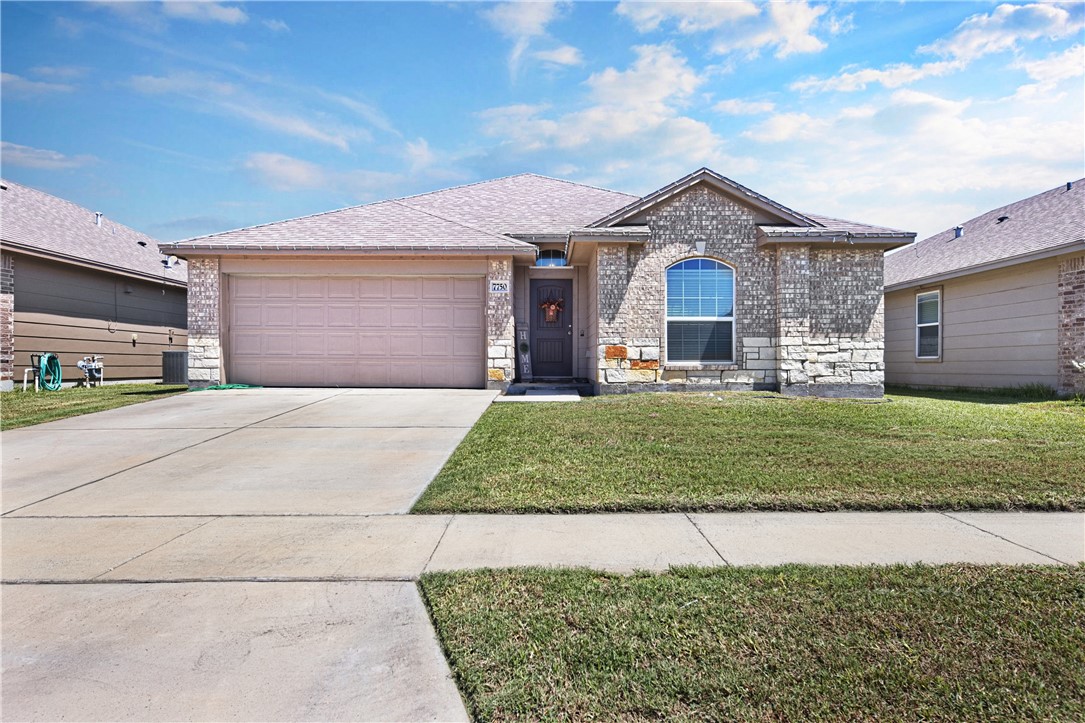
[[186, 118]]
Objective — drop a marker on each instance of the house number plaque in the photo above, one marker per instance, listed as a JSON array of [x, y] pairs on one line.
[[499, 287]]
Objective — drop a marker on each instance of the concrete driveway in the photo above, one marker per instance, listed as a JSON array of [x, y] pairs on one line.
[[91, 495], [241, 452]]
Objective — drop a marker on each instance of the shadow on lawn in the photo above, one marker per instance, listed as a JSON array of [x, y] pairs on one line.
[[156, 392], [1026, 394]]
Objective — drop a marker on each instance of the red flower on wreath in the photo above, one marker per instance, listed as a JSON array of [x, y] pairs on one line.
[[552, 307]]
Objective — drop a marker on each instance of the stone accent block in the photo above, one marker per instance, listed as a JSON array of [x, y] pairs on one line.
[[616, 352], [637, 364], [616, 376]]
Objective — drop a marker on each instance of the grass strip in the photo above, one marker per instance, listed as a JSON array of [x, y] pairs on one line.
[[743, 451], [945, 643], [22, 409]]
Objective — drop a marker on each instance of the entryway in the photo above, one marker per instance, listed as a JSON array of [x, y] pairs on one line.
[[552, 328]]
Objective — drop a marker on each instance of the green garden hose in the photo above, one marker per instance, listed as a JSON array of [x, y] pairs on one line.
[[49, 372]]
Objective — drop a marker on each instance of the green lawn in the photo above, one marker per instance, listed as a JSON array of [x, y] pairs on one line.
[[20, 409], [943, 643], [738, 451]]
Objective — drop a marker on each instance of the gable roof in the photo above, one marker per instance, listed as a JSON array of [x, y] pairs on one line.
[[770, 208], [37, 223], [1046, 224], [475, 218]]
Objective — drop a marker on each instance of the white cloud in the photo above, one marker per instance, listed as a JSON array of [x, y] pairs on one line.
[[1050, 71], [16, 84], [419, 155], [286, 173], [903, 160], [564, 55], [688, 17], [982, 34], [212, 95], [787, 27], [276, 26], [67, 72], [785, 127], [629, 128], [205, 11], [737, 106], [524, 23], [14, 154], [891, 76], [1005, 27]]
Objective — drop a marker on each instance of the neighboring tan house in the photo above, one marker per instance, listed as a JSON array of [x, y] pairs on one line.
[[703, 285], [78, 284], [998, 301]]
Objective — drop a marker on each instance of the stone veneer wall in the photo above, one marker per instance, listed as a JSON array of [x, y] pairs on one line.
[[7, 322], [500, 327], [204, 324], [808, 321], [1071, 325], [831, 325]]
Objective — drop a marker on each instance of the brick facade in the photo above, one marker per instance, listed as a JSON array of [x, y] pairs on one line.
[[204, 323], [500, 326], [1071, 336], [807, 320], [7, 322]]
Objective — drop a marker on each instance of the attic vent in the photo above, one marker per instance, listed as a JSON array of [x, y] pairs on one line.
[[1002, 218], [97, 218], [141, 243], [958, 231], [1069, 185]]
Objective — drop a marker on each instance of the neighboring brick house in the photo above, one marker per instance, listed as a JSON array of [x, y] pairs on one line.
[[77, 283], [998, 301], [703, 285]]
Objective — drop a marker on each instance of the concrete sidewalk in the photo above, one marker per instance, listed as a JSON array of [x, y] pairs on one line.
[[402, 547]]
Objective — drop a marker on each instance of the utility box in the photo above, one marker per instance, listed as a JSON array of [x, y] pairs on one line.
[[175, 367]]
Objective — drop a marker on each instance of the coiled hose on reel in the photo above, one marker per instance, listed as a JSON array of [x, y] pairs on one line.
[[49, 374]]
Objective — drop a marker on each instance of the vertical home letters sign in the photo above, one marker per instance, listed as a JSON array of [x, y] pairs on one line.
[[523, 354]]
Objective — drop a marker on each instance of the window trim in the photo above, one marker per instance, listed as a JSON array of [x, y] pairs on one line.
[[667, 318], [938, 324]]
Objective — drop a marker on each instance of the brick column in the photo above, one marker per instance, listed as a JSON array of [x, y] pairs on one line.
[[500, 326], [612, 352], [7, 322], [204, 343], [1071, 326]]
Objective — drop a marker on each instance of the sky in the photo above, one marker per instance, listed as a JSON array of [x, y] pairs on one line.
[[186, 118]]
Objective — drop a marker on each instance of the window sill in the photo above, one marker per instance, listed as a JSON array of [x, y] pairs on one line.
[[693, 367]]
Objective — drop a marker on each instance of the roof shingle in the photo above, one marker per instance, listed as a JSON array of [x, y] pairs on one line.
[[36, 221], [1045, 221]]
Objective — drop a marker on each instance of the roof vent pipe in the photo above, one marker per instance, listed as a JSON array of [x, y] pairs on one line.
[[97, 218], [958, 231], [1069, 185]]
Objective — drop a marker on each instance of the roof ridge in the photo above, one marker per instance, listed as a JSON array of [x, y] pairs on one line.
[[455, 221], [581, 185]]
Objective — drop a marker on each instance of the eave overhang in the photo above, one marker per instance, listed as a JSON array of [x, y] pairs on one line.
[[1069, 248], [825, 238], [90, 264], [344, 250]]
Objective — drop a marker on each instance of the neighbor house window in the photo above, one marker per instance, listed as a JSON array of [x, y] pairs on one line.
[[551, 257], [700, 312], [928, 325]]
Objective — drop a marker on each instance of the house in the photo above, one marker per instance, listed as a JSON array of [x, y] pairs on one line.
[[998, 301], [703, 284], [78, 283]]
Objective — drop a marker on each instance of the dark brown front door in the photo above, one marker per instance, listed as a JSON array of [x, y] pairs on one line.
[[552, 327]]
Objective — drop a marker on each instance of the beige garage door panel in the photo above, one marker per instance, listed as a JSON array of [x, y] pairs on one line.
[[364, 331]]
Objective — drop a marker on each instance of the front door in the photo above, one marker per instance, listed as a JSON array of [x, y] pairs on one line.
[[552, 327]]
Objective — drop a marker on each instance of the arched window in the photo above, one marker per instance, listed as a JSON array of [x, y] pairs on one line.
[[701, 312], [551, 257]]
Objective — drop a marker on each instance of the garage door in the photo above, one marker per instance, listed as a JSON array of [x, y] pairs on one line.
[[417, 331]]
